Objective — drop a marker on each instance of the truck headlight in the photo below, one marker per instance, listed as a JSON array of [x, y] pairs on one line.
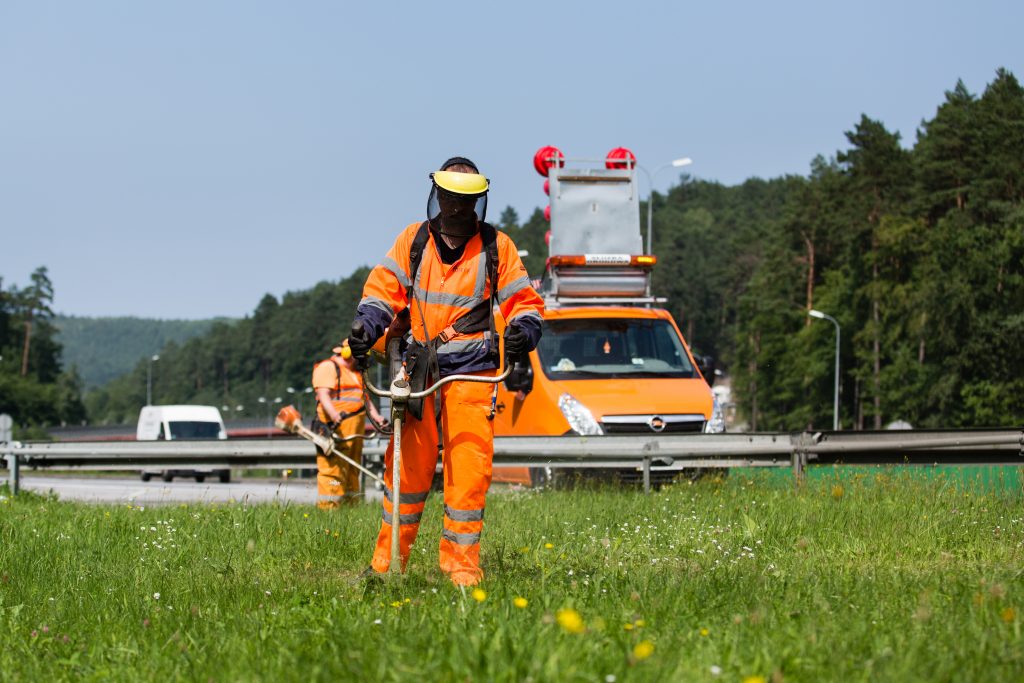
[[716, 424], [580, 419]]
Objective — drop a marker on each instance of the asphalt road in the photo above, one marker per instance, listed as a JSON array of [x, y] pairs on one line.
[[137, 492]]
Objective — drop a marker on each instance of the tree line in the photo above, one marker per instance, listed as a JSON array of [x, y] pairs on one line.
[[35, 389], [917, 251]]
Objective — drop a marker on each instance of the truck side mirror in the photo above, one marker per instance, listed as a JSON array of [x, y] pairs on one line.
[[521, 377], [707, 368]]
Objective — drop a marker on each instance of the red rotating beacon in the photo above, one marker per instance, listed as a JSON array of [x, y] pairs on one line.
[[547, 157], [620, 158]]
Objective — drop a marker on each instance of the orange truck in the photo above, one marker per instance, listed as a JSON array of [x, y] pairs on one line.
[[610, 360]]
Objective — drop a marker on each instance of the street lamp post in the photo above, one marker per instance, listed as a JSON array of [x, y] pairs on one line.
[[835, 403], [677, 163], [149, 380]]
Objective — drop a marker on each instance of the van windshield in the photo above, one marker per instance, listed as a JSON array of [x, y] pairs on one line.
[[602, 348], [194, 430]]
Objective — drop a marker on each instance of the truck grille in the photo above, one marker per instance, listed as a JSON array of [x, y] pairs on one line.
[[653, 424]]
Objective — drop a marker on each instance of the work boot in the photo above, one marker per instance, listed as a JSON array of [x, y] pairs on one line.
[[463, 578]]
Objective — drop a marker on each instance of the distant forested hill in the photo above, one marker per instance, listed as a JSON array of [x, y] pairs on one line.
[[104, 348]]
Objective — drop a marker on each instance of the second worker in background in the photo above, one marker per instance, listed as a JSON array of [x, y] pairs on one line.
[[340, 414], [448, 272]]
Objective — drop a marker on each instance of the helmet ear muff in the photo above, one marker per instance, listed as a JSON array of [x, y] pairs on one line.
[[343, 349]]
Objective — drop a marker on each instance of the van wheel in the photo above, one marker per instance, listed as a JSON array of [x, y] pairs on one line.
[[167, 476], [200, 478], [146, 476]]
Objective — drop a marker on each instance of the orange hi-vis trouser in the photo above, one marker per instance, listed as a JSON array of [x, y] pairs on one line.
[[468, 451], [337, 481]]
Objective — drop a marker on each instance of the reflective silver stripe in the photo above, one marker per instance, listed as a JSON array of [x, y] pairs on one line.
[[460, 346], [464, 515], [461, 539], [407, 498], [511, 288], [389, 264], [413, 518], [446, 299], [481, 274], [378, 303], [528, 314]]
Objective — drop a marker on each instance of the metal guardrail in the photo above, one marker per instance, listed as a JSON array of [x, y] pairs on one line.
[[641, 453]]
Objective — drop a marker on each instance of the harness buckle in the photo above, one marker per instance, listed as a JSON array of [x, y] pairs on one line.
[[447, 334]]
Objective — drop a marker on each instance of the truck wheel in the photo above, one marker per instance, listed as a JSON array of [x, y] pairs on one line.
[[145, 476], [224, 476], [200, 478], [167, 476]]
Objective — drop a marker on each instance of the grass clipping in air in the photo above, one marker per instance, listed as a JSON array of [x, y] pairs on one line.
[[871, 576]]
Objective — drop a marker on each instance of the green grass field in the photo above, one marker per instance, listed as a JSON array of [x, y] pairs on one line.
[[876, 575]]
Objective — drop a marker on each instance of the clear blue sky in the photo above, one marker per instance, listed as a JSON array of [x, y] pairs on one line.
[[180, 159]]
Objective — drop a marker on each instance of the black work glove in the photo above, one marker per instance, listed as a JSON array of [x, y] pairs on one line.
[[516, 342], [359, 339]]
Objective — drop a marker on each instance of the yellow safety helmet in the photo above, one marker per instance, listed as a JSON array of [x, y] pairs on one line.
[[471, 184], [343, 349]]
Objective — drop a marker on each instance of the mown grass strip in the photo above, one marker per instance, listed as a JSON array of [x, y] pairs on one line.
[[880, 575]]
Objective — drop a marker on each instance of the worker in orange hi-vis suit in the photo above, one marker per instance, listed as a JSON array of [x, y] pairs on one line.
[[448, 272], [340, 410]]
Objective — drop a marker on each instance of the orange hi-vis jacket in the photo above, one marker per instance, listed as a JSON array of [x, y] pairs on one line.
[[446, 292], [345, 385]]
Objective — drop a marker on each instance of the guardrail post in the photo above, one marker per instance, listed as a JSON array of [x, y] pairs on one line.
[[800, 458], [6, 435], [15, 473], [647, 475]]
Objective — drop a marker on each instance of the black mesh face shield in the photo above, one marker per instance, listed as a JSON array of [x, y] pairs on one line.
[[458, 200], [456, 215]]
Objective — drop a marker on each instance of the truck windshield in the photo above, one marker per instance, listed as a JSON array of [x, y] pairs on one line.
[[194, 430], [601, 348]]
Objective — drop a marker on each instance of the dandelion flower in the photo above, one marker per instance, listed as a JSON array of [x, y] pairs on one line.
[[549, 546], [1008, 615], [479, 594], [837, 491], [643, 649], [704, 632], [627, 627], [639, 623], [570, 620], [715, 670], [754, 679], [520, 602]]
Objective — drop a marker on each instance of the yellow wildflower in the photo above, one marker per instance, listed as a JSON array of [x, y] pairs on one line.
[[549, 546], [639, 623], [643, 649], [570, 620], [627, 627], [704, 632], [520, 602], [479, 594], [1008, 615], [837, 491], [755, 679]]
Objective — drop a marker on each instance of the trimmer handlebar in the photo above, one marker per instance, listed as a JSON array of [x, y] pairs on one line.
[[438, 384]]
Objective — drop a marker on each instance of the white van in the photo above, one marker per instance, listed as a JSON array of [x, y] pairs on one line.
[[173, 423]]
